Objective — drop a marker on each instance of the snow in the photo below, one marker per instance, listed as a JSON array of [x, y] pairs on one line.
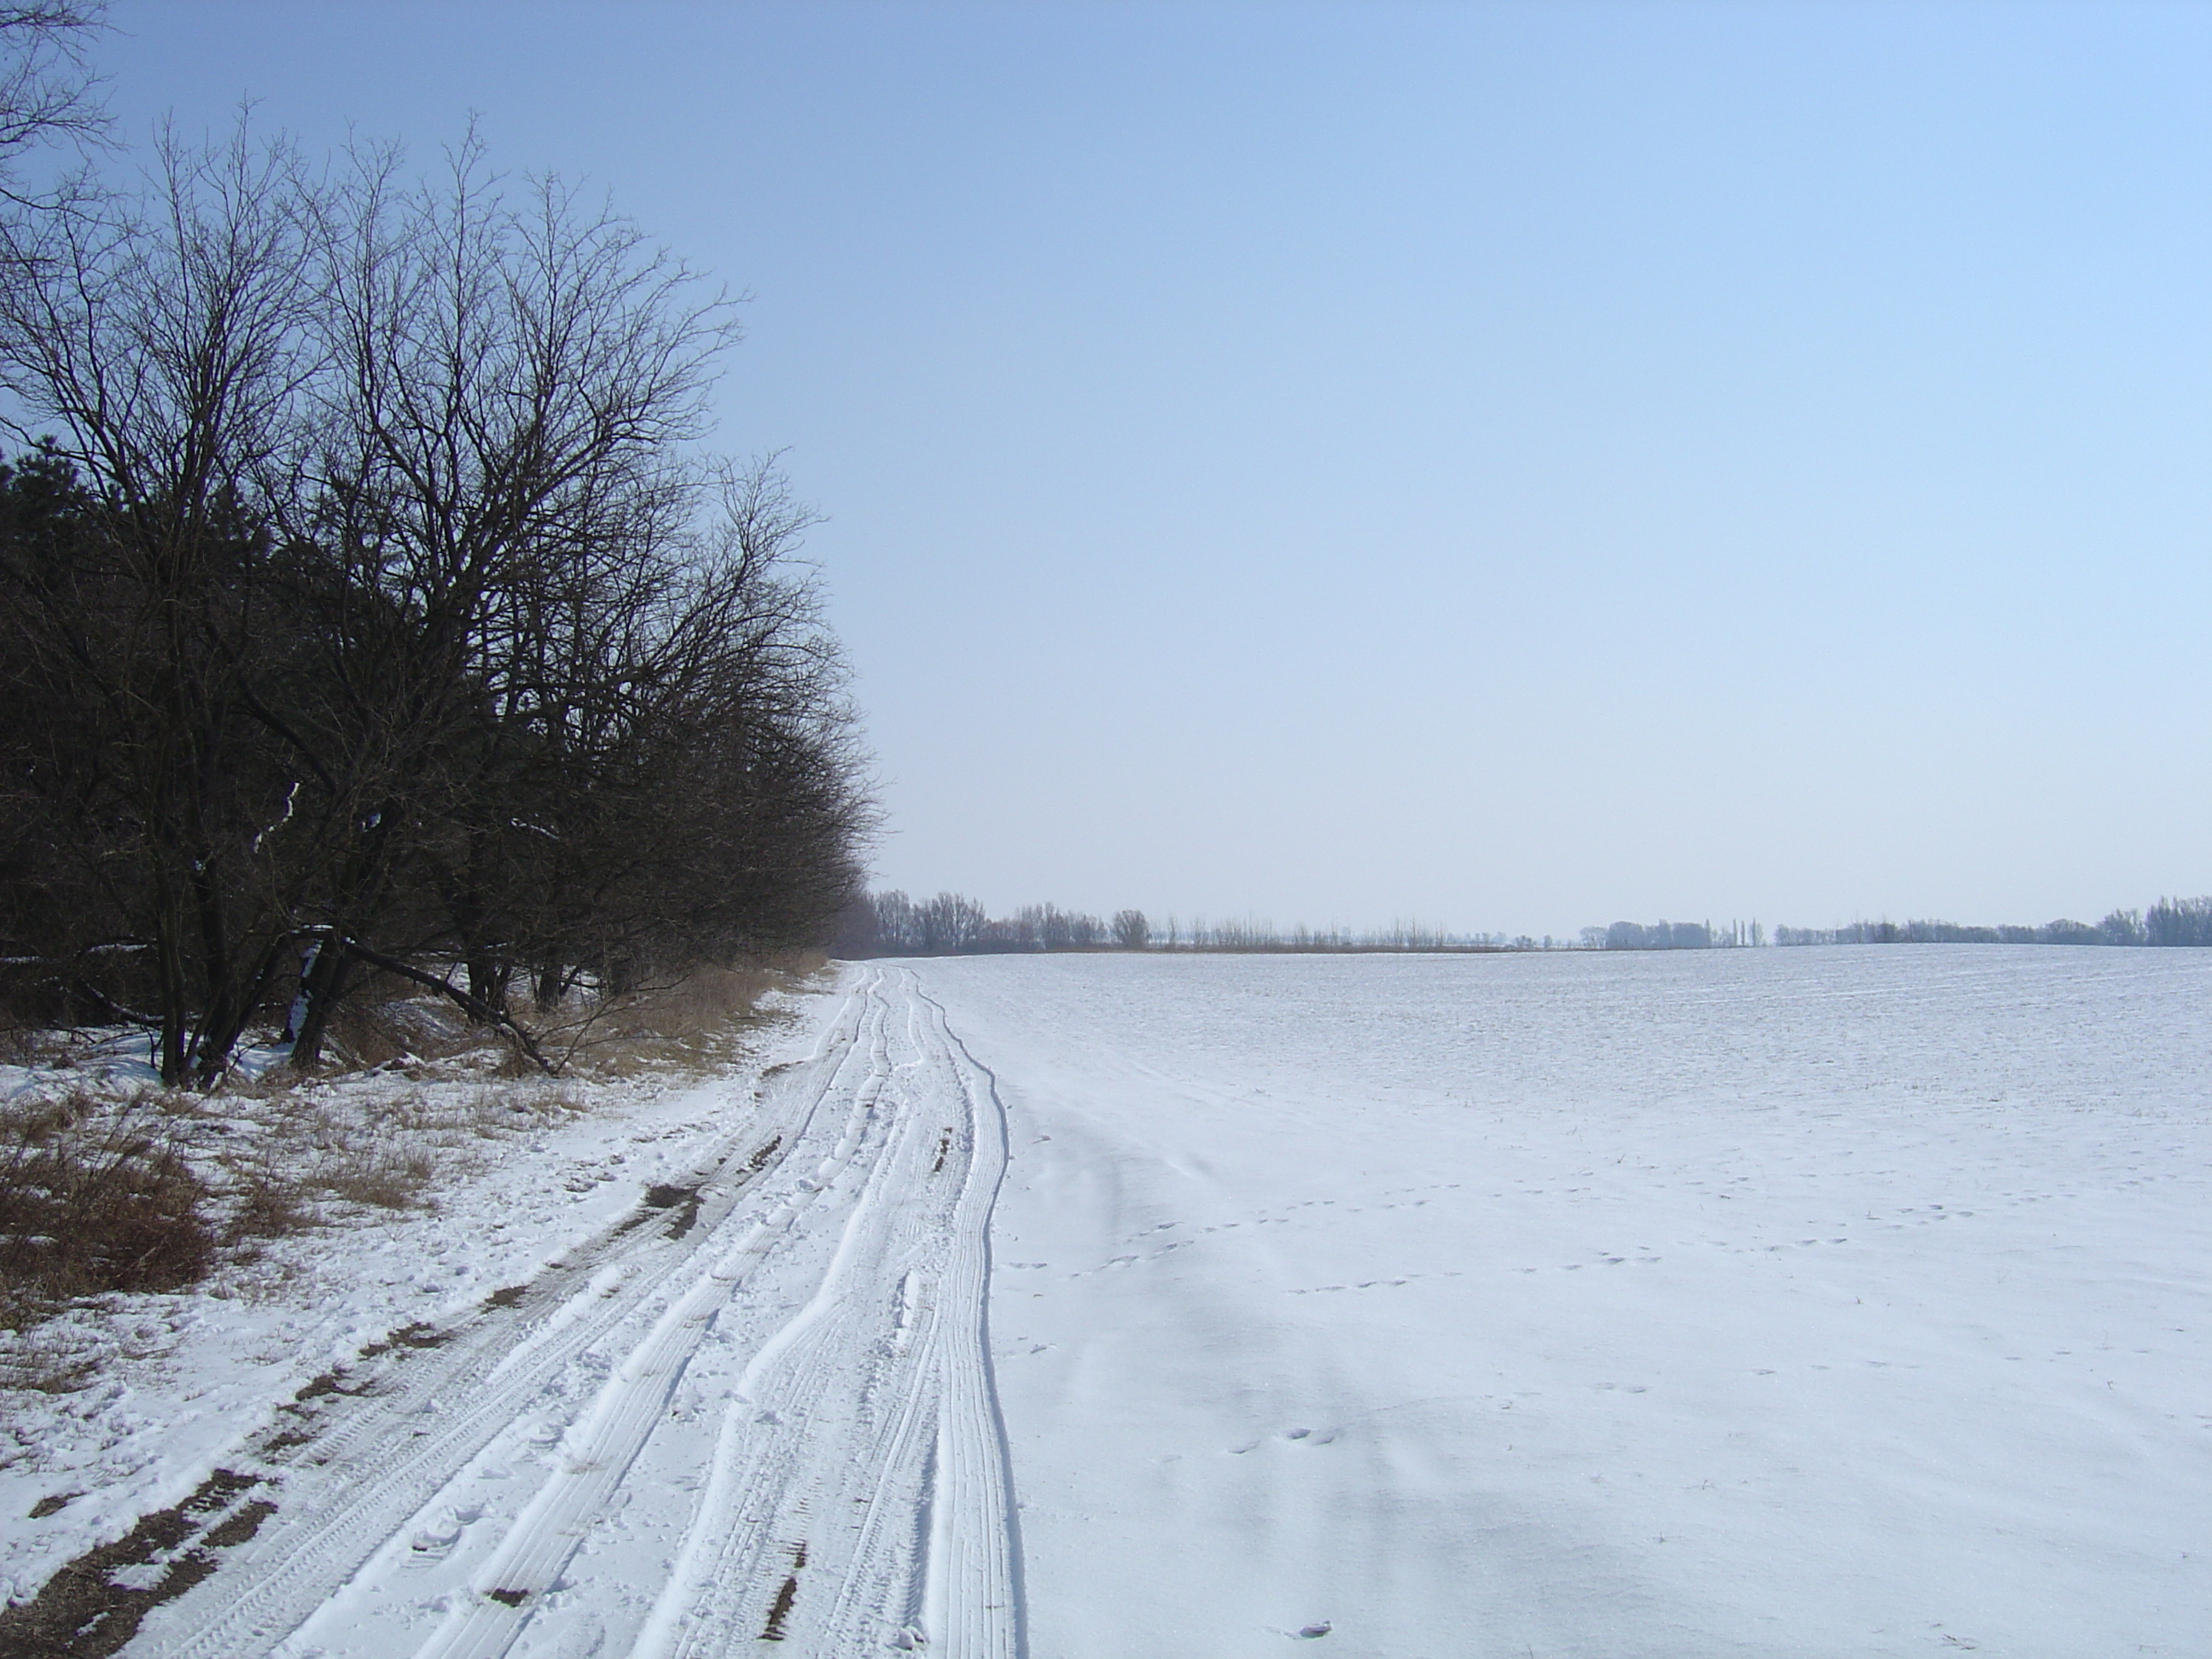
[[754, 1404], [525, 1171], [1844, 1302], [1841, 1301]]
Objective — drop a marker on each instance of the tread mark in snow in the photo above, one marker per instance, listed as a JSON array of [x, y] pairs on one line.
[[93, 1606], [834, 1397], [773, 1630]]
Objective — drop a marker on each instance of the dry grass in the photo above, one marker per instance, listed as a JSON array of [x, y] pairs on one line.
[[93, 1200], [698, 1006], [692, 1022], [366, 1032], [383, 1176], [267, 1206], [319, 1148], [101, 1194], [45, 1363]]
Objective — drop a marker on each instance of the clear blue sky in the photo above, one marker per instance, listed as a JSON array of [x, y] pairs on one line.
[[1511, 466]]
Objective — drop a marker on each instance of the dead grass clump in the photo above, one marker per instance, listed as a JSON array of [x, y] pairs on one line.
[[267, 1208], [367, 1031], [681, 1024], [386, 1176], [702, 1004], [42, 1364], [360, 1034], [86, 1210], [317, 1150], [515, 1065]]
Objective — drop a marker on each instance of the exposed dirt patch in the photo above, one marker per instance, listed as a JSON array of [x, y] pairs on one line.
[[684, 1200], [773, 1630], [92, 1606], [417, 1336]]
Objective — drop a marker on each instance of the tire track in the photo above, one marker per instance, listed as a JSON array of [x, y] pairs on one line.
[[791, 1433], [632, 1403], [972, 1606], [346, 1491], [875, 1397]]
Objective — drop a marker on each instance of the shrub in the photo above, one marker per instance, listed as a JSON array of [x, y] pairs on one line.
[[85, 1211]]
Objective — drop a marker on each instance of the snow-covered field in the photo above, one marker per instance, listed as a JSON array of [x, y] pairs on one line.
[[1844, 1302]]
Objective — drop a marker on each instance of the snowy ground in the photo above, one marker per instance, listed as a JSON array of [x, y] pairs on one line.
[[1804, 1303], [744, 1400], [1846, 1302]]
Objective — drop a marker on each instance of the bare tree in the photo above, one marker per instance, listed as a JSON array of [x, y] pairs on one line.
[[48, 91], [514, 377], [167, 344], [370, 605], [1131, 931], [951, 922]]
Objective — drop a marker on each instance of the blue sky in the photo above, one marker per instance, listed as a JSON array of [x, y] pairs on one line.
[[1514, 466]]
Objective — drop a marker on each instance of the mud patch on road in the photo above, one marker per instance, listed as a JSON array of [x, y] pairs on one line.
[[786, 1597], [93, 1606], [684, 1200], [417, 1336]]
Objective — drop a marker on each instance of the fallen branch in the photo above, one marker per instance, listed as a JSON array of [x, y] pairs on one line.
[[475, 1007]]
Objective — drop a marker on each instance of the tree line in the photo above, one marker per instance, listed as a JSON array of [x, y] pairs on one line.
[[891, 924], [369, 608], [2170, 921], [1672, 936], [952, 924]]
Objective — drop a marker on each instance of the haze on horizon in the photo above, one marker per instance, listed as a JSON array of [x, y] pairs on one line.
[[1517, 466]]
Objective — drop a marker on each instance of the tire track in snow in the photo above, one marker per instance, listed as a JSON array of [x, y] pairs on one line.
[[875, 1397], [379, 1464], [973, 1605], [815, 1346], [603, 1446]]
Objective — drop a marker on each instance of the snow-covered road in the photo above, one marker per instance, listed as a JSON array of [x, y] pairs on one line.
[[763, 1414]]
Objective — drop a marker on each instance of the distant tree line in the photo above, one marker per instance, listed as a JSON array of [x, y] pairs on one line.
[[1672, 936], [2169, 921], [369, 610], [951, 924], [891, 924]]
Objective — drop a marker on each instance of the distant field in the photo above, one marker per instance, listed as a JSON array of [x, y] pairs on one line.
[[1842, 1301]]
